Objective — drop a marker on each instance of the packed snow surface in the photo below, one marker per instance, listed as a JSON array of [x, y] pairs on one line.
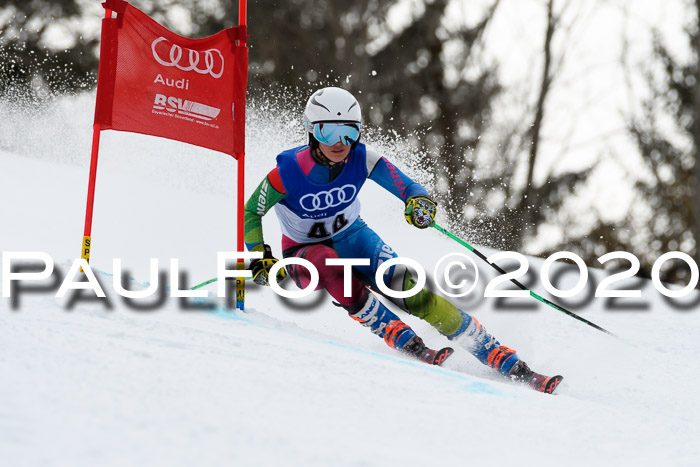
[[106, 382]]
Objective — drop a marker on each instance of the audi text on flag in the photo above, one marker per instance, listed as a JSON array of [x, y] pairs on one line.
[[155, 82]]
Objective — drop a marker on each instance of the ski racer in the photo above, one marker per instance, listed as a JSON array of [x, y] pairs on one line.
[[314, 192]]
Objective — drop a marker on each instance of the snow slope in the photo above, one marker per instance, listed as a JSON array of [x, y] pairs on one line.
[[98, 382]]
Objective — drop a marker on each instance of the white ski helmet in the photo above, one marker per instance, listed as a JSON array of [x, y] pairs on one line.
[[332, 105]]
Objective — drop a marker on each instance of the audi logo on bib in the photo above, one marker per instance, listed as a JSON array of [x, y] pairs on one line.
[[328, 199], [204, 62]]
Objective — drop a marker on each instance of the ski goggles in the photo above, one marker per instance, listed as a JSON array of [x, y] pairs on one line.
[[331, 133]]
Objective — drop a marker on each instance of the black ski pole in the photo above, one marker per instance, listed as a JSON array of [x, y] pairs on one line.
[[521, 286]]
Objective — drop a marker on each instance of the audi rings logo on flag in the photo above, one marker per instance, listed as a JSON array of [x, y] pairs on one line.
[[204, 62], [328, 199]]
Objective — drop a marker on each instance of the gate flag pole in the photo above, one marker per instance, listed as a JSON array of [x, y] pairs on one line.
[[87, 232], [240, 243]]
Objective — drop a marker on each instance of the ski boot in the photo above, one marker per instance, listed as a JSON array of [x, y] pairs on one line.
[[397, 334], [522, 373], [417, 348]]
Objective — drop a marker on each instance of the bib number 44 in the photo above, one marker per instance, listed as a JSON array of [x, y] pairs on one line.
[[320, 230]]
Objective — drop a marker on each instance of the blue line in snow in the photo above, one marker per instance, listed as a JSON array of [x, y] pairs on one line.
[[472, 384]]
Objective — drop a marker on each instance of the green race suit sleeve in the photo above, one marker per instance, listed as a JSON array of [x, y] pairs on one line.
[[267, 194]]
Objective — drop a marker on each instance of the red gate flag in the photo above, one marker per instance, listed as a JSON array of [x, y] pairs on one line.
[[155, 82]]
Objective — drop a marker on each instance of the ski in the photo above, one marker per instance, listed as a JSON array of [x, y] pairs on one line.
[[437, 357], [545, 384]]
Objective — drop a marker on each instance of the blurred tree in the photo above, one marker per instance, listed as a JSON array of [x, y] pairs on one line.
[[529, 207], [312, 42], [30, 64], [431, 83], [667, 132], [434, 81]]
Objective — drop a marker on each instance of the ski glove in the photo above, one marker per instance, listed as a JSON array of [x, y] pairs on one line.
[[261, 266], [420, 211]]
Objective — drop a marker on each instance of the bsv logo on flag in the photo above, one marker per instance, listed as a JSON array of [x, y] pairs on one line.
[[185, 107], [328, 199], [204, 62]]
